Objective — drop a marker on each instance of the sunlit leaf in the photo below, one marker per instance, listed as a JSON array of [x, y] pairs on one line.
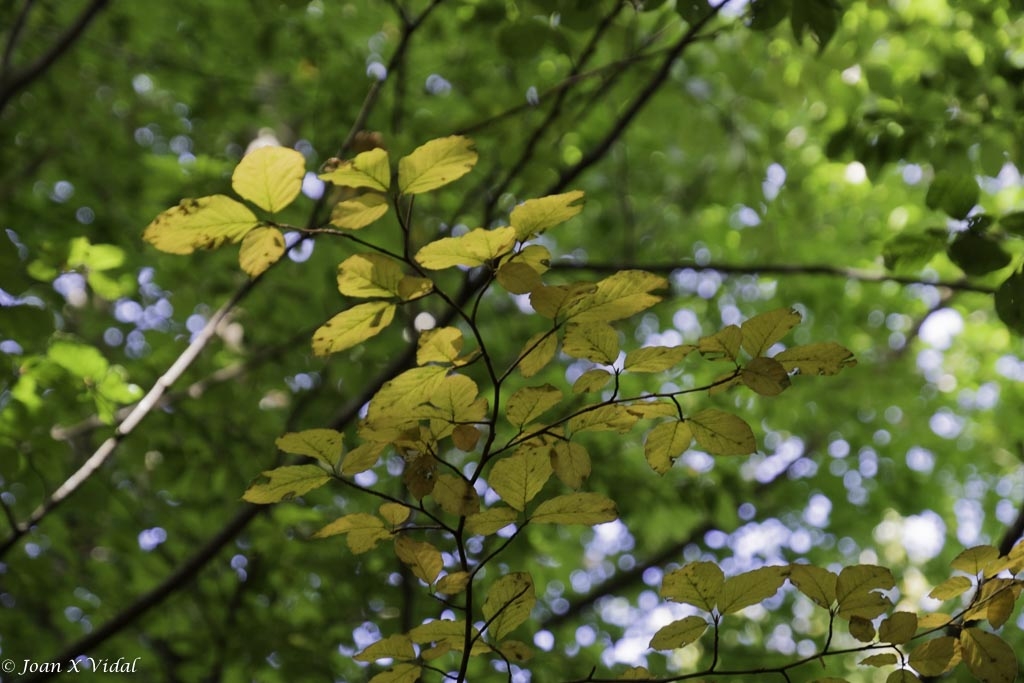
[[721, 433], [394, 514], [826, 358], [603, 418], [286, 483], [974, 560], [571, 463], [679, 633], [368, 169], [936, 656], [933, 620], [261, 248], [455, 495], [439, 345], [508, 604], [594, 379], [856, 591], [537, 352], [534, 216], [666, 442], [696, 583], [597, 342], [369, 275], [951, 588], [81, 360], [421, 557], [358, 212], [815, 582], [270, 177], [323, 444], [763, 330], [454, 583], [656, 358], [750, 588], [618, 296], [352, 327], [576, 508], [401, 394], [475, 248], [362, 531], [553, 301], [204, 223], [723, 345], [361, 458], [450, 633], [987, 656], [436, 163], [529, 403], [394, 647], [520, 477]]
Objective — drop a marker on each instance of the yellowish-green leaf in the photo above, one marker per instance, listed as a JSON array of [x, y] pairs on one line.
[[884, 659], [537, 352], [951, 588], [576, 508], [394, 513], [647, 409], [439, 345], [974, 560], [475, 248], [286, 483], [358, 212], [448, 633], [369, 275], [666, 442], [455, 400], [517, 277], [369, 169], [936, 656], [723, 345], [399, 396], [933, 620], [529, 403], [604, 418], [988, 656], [261, 248], [534, 216], [763, 330], [618, 296], [465, 437], [597, 342], [352, 327], [827, 358], [270, 177], [551, 301], [362, 531], [516, 651], [454, 583], [536, 256], [635, 673], [411, 287], [571, 463], [520, 477], [204, 223], [491, 520], [508, 603], [855, 591], [591, 380], [862, 629], [322, 444], [421, 557], [1016, 557], [721, 433], [815, 582], [656, 358], [765, 376], [750, 588], [902, 676], [399, 673], [697, 584], [999, 607], [436, 163], [456, 496], [898, 628], [394, 647], [361, 458], [679, 633]]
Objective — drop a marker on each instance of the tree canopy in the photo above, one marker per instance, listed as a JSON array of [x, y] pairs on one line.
[[512, 340]]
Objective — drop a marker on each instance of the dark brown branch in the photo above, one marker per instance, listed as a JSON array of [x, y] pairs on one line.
[[12, 38]]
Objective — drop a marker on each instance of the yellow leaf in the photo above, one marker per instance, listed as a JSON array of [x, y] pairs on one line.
[[721, 433], [204, 223], [517, 277], [286, 483], [666, 442], [855, 591], [951, 587], [358, 212], [534, 216], [679, 633], [436, 163], [270, 177], [766, 376], [394, 647], [723, 345], [697, 584], [394, 513], [597, 342], [763, 330], [635, 673], [933, 620], [551, 301], [647, 409], [400, 395], [516, 651], [352, 327], [475, 248], [400, 673], [571, 463], [1000, 606], [362, 531], [520, 477], [369, 275], [537, 352], [604, 418], [1016, 557], [973, 560], [261, 248], [898, 628], [322, 444], [750, 588], [450, 633], [656, 358], [361, 458], [816, 359], [440, 345], [508, 603], [421, 557], [618, 296], [536, 256], [454, 583], [576, 508], [591, 380], [529, 403], [491, 520], [455, 495], [369, 169], [455, 400], [815, 582], [988, 656], [411, 288], [862, 629], [936, 656]]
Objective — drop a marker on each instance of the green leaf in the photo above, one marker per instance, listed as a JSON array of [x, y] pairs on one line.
[[491, 520], [936, 656], [723, 345], [261, 248], [977, 254], [362, 531], [82, 254], [576, 508], [902, 676], [815, 582], [455, 495], [592, 380], [721, 433], [974, 560], [862, 628], [1013, 222], [361, 458], [400, 673], [899, 628], [436, 163], [534, 216], [352, 327], [618, 296], [395, 647], [475, 248], [987, 656], [765, 376], [953, 192], [369, 275], [856, 591], [766, 14], [826, 358], [369, 169], [520, 477], [517, 277], [538, 351], [597, 342], [656, 358], [357, 213], [324, 445], [912, 251], [529, 403], [821, 17], [763, 330], [665, 443], [286, 483], [679, 633], [697, 584], [270, 177], [450, 633], [508, 604], [750, 588], [81, 360], [1009, 301], [421, 557], [571, 463], [885, 659], [204, 223]]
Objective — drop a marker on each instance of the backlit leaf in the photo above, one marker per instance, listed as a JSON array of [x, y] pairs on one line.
[[491, 520], [618, 296], [508, 603], [419, 474], [515, 651], [604, 418], [394, 513], [635, 673], [933, 620], [898, 628], [369, 275], [750, 588], [538, 351], [394, 647], [902, 676], [81, 360], [454, 583], [936, 656], [399, 673], [973, 560], [721, 433], [576, 508], [571, 463], [465, 437], [261, 248], [352, 327], [666, 442], [204, 223], [421, 557], [815, 582], [436, 163], [977, 254], [826, 358], [449, 633], [361, 458], [368, 169], [951, 588], [592, 380], [455, 495], [400, 395], [597, 342], [358, 212], [884, 659], [520, 477], [656, 358], [517, 277], [679, 633], [529, 403], [862, 629], [552, 301], [988, 656], [362, 531], [953, 192], [763, 330], [411, 287], [1009, 302], [439, 345], [270, 177], [697, 584], [534, 216], [723, 345], [286, 483], [475, 248], [856, 591], [323, 444], [765, 376]]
